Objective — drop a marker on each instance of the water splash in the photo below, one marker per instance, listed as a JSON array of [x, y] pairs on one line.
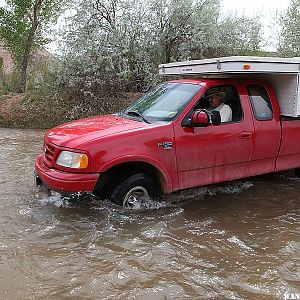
[[288, 176], [171, 200], [150, 205], [55, 199], [213, 190]]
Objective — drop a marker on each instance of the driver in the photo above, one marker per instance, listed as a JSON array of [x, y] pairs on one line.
[[215, 99]]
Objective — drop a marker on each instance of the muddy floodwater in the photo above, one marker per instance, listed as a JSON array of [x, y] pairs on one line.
[[239, 240]]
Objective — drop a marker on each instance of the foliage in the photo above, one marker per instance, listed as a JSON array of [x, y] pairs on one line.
[[289, 44], [9, 81], [111, 47], [117, 45], [23, 26]]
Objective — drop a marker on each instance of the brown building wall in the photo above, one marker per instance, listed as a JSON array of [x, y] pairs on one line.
[[8, 64]]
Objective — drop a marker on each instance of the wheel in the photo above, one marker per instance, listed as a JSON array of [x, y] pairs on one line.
[[135, 191], [297, 172]]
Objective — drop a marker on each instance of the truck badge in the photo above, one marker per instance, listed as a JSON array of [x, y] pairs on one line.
[[165, 145]]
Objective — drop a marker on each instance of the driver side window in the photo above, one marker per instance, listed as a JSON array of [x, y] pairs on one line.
[[227, 102]]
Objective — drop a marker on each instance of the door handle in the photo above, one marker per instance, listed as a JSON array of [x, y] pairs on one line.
[[246, 135]]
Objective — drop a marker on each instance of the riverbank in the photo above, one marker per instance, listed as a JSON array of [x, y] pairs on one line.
[[32, 112]]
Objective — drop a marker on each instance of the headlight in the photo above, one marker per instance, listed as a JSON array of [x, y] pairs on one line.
[[72, 160]]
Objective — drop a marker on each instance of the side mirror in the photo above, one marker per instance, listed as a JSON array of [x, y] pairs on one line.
[[202, 118]]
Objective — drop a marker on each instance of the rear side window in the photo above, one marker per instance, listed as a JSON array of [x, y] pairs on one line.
[[260, 102]]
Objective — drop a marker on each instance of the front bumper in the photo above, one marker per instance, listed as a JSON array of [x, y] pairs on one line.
[[64, 181]]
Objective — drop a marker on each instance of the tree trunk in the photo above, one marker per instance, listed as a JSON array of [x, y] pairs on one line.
[[167, 52], [24, 65], [2, 78], [29, 45]]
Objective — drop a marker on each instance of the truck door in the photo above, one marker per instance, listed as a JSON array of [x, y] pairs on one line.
[[265, 114], [216, 153]]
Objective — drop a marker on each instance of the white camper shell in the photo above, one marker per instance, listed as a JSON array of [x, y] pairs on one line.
[[282, 73]]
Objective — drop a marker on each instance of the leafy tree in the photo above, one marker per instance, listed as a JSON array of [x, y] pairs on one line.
[[118, 44], [240, 35], [289, 43], [22, 27], [172, 22]]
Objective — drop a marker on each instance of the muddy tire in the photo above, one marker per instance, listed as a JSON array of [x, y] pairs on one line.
[[134, 191]]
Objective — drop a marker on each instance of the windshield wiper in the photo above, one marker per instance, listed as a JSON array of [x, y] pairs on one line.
[[137, 114]]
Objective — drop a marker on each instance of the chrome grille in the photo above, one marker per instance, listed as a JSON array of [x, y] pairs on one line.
[[49, 152]]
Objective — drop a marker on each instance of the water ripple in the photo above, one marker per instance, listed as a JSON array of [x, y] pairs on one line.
[[236, 240]]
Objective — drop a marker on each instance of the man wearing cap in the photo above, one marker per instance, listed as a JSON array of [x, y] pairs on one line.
[[215, 99]]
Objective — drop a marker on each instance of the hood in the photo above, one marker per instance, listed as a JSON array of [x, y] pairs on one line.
[[75, 133]]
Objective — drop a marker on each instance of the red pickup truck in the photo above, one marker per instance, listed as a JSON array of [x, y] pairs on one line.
[[169, 141]]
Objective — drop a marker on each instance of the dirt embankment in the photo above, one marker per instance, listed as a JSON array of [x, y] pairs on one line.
[[20, 111], [17, 111]]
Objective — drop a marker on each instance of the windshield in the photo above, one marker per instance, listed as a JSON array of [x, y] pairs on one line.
[[164, 102]]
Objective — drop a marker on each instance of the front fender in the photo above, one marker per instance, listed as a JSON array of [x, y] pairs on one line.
[[146, 159]]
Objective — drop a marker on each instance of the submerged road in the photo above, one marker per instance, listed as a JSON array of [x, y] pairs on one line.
[[239, 240]]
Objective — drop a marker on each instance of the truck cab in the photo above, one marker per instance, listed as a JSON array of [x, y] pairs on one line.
[[170, 139]]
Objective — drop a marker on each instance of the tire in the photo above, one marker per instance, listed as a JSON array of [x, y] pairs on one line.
[[297, 172], [135, 190]]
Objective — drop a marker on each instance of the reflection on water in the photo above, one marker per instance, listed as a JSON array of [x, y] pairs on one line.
[[238, 240]]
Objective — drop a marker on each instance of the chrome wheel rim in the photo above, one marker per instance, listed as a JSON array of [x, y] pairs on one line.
[[136, 197]]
